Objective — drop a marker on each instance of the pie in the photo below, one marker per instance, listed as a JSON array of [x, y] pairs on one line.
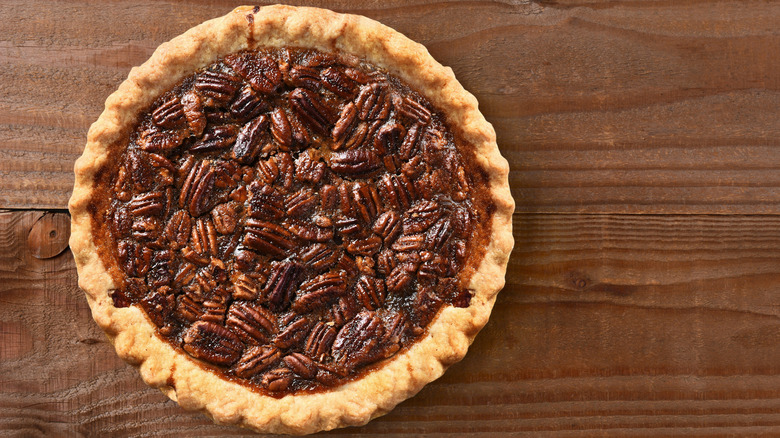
[[291, 219]]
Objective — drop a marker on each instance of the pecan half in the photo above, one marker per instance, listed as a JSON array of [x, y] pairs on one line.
[[281, 284], [356, 342], [355, 162], [293, 334], [311, 109], [248, 105], [218, 86], [216, 138], [169, 114], [319, 257], [320, 291], [277, 379], [370, 292], [196, 192], [249, 141], [212, 343], [253, 324], [262, 73], [319, 341], [301, 365], [256, 359], [225, 217], [335, 80], [373, 102], [268, 238]]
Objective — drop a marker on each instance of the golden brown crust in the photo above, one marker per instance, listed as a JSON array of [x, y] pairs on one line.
[[176, 374]]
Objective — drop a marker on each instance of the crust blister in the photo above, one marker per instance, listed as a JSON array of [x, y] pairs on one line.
[[177, 375]]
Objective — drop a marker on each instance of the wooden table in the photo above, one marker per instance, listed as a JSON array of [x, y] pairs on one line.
[[643, 294]]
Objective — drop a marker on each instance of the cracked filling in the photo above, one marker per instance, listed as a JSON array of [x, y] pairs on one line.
[[291, 218]]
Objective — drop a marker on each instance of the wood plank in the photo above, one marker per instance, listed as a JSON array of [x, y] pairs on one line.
[[600, 106], [610, 325]]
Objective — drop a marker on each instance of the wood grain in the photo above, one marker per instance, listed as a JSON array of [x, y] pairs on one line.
[[600, 106], [609, 326]]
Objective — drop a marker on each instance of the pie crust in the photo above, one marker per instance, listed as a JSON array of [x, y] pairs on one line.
[[178, 375]]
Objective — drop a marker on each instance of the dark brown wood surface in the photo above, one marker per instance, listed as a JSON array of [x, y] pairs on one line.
[[643, 294]]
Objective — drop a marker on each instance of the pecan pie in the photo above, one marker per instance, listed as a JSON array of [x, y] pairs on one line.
[[291, 219]]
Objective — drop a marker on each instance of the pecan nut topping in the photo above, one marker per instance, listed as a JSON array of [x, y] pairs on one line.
[[293, 218]]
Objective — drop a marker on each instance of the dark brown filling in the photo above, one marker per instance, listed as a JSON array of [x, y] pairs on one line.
[[291, 218]]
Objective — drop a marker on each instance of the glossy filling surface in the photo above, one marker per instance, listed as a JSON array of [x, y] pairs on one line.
[[291, 218]]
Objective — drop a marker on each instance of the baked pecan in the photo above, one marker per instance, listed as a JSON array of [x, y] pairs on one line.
[[308, 170], [426, 304], [268, 238], [281, 129], [410, 242], [282, 283], [319, 257], [218, 86], [213, 311], [388, 226], [356, 342], [193, 112], [301, 365], [134, 258], [396, 191], [248, 105], [225, 217], [373, 102], [216, 138], [250, 139], [159, 304], [169, 114], [294, 333], [395, 329], [277, 379], [355, 162], [409, 146], [311, 231], [389, 138], [347, 225], [204, 237], [439, 234], [319, 341], [154, 140], [301, 202], [304, 77], [400, 279], [365, 201], [385, 261], [344, 310], [311, 109], [212, 343], [365, 247], [338, 82], [320, 291], [420, 217], [254, 325], [370, 291], [188, 309], [262, 73], [196, 192], [161, 269], [256, 359], [345, 125], [413, 110], [266, 203], [121, 221], [147, 204], [185, 274], [244, 287], [145, 228]]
